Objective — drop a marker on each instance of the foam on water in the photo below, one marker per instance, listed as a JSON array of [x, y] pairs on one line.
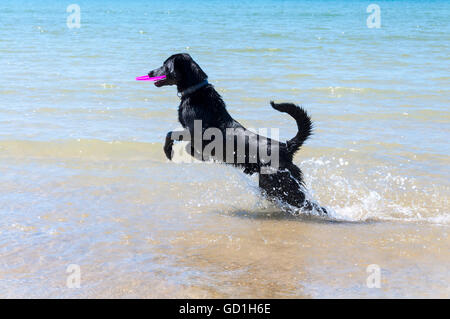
[[354, 193]]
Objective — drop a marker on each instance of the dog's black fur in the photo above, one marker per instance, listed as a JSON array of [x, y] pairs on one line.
[[205, 104]]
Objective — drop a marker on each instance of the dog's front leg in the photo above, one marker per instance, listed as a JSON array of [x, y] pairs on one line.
[[170, 138]]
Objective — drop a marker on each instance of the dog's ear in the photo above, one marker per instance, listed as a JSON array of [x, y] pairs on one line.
[[179, 63], [187, 70], [171, 69], [197, 71]]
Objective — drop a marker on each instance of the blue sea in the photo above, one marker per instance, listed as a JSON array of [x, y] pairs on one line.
[[84, 180]]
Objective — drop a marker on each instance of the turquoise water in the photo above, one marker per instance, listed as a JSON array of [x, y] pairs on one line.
[[81, 156]]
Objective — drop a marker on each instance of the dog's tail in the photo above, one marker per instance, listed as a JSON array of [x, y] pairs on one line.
[[304, 124]]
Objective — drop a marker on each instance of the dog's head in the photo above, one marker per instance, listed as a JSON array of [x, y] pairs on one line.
[[181, 70]]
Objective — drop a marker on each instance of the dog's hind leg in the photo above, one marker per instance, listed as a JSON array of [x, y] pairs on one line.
[[284, 187]]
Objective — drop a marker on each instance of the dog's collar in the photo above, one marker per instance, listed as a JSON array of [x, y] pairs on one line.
[[192, 89]]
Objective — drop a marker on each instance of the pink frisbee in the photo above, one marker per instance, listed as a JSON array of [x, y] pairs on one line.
[[147, 78]]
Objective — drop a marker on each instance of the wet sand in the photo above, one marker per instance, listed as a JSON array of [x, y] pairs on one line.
[[232, 255]]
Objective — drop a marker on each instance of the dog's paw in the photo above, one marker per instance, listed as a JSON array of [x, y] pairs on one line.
[[168, 150]]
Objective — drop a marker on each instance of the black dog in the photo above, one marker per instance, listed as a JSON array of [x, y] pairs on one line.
[[200, 101]]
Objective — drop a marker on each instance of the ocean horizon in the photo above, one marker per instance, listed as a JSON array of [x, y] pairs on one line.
[[84, 179]]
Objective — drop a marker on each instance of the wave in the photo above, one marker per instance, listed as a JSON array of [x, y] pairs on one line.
[[90, 149], [355, 187], [357, 190], [338, 90], [136, 112], [250, 49], [273, 35], [421, 115]]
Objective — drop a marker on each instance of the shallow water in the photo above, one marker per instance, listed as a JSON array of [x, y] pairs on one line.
[[83, 179]]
